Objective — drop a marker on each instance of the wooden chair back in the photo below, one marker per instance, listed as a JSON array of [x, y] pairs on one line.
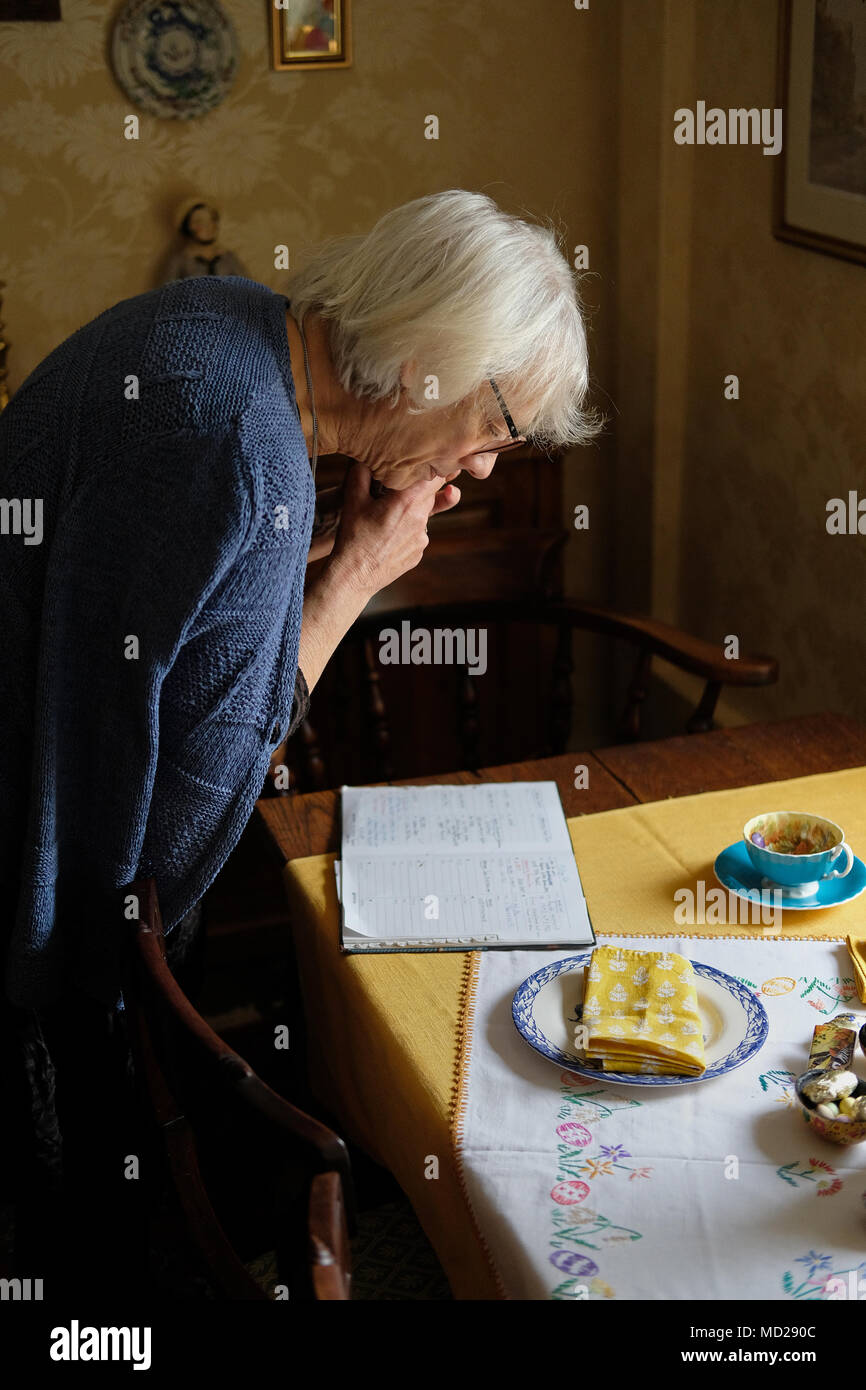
[[508, 580], [293, 1190]]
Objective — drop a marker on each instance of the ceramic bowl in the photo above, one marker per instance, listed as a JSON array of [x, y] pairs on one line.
[[838, 1131]]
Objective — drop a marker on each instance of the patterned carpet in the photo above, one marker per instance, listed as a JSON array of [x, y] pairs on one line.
[[391, 1258]]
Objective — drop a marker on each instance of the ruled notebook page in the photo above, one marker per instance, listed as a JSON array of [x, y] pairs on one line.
[[456, 866]]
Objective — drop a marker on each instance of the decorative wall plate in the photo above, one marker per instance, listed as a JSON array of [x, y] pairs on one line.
[[174, 58]]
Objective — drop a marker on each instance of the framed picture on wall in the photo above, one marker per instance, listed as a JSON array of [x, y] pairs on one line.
[[821, 178], [39, 10], [311, 34]]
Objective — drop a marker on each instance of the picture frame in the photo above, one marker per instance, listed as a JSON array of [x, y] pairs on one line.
[[39, 11], [311, 34], [820, 194]]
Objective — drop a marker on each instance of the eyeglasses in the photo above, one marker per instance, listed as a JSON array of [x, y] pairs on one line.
[[517, 440]]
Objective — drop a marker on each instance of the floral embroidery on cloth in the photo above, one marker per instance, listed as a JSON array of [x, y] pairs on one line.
[[576, 1227]]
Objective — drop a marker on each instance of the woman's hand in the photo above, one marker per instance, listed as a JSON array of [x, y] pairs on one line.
[[320, 546], [380, 538], [325, 523]]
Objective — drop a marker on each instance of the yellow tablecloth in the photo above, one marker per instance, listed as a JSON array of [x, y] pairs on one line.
[[633, 860], [386, 1032]]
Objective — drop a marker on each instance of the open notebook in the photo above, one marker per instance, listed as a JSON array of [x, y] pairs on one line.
[[456, 868]]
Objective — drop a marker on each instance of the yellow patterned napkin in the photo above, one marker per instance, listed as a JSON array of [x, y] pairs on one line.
[[857, 952], [641, 1012]]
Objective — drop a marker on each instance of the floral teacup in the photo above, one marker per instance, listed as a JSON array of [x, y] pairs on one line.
[[795, 850]]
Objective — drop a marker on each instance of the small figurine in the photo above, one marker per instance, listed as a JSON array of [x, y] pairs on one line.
[[197, 222]]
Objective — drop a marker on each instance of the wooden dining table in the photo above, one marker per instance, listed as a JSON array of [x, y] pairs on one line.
[[623, 775], [355, 1010]]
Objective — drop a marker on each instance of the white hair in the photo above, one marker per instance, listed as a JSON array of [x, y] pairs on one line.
[[451, 287]]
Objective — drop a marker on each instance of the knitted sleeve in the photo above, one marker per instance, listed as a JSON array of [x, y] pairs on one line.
[[152, 538], [233, 689], [139, 546]]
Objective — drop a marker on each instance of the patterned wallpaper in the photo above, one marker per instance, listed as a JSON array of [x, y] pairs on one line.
[[755, 554], [289, 157], [525, 109]]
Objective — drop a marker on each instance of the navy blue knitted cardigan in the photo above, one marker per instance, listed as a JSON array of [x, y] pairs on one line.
[[150, 642]]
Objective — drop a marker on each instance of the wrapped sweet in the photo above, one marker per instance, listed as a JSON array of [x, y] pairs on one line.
[[833, 1042], [832, 1086]]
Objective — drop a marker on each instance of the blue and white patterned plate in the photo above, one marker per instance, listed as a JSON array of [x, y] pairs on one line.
[[174, 58], [547, 1006]]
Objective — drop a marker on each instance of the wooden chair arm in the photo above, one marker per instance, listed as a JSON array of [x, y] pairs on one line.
[[330, 1255], [149, 942], [203, 1226], [662, 639]]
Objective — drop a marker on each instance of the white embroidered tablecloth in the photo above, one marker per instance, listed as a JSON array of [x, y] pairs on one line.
[[718, 1190]]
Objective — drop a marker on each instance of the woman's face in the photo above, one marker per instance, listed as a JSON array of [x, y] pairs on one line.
[[438, 443]]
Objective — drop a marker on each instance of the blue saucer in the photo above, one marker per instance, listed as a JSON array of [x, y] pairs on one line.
[[735, 871]]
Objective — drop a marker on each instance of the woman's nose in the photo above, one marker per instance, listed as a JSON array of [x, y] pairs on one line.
[[480, 465]]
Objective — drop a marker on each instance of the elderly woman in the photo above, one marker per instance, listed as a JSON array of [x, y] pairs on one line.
[[159, 643]]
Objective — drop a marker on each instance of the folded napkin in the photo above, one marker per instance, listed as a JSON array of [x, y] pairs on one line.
[[857, 952], [641, 1012]]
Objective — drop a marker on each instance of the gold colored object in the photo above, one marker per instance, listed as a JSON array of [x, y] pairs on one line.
[[833, 1043], [298, 44], [857, 952], [4, 392]]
